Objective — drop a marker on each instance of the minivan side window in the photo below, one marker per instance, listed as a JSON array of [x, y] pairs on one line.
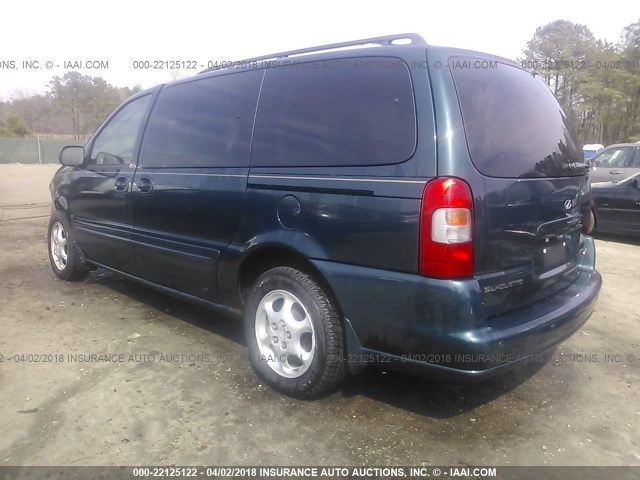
[[358, 111], [203, 123], [115, 143]]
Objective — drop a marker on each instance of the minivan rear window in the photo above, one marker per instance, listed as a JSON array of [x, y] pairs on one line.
[[513, 123], [339, 112]]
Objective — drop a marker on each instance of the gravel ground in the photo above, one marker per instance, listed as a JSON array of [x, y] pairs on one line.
[[184, 393]]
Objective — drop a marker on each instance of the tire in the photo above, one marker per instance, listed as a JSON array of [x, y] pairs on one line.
[[64, 256], [287, 305]]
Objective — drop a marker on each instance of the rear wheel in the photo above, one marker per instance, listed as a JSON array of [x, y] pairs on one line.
[[64, 256], [294, 334]]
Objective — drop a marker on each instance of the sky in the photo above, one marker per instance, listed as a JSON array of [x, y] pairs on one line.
[[198, 32]]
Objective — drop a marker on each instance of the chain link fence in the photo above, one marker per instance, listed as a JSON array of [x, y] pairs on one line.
[[33, 150]]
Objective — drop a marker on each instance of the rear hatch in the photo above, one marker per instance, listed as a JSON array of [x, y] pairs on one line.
[[534, 195]]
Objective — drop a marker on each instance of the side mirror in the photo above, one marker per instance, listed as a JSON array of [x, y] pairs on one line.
[[72, 155], [635, 183]]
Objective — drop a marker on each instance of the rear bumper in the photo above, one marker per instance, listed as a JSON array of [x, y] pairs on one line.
[[437, 328]]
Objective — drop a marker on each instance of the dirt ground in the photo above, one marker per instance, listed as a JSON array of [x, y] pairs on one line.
[[182, 391]]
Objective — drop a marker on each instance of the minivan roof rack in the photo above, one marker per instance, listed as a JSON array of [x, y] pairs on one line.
[[384, 40]]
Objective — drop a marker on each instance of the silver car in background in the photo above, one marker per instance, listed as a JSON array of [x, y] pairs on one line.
[[615, 163]]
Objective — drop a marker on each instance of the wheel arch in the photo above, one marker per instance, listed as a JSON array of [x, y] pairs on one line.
[[265, 257]]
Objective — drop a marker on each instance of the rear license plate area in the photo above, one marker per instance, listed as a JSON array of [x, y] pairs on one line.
[[551, 254]]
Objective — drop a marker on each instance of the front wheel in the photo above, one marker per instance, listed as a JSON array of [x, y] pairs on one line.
[[64, 256], [294, 334]]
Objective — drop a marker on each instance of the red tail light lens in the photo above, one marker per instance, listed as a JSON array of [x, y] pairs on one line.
[[446, 229]]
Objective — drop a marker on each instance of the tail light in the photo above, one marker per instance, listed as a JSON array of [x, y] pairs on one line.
[[446, 229]]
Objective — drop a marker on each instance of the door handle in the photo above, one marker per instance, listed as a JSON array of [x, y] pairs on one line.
[[144, 184], [122, 183], [615, 172]]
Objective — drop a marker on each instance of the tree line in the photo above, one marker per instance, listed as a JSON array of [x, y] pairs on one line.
[[74, 105], [596, 82]]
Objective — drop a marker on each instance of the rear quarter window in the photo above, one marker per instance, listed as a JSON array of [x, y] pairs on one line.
[[513, 123], [344, 112]]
